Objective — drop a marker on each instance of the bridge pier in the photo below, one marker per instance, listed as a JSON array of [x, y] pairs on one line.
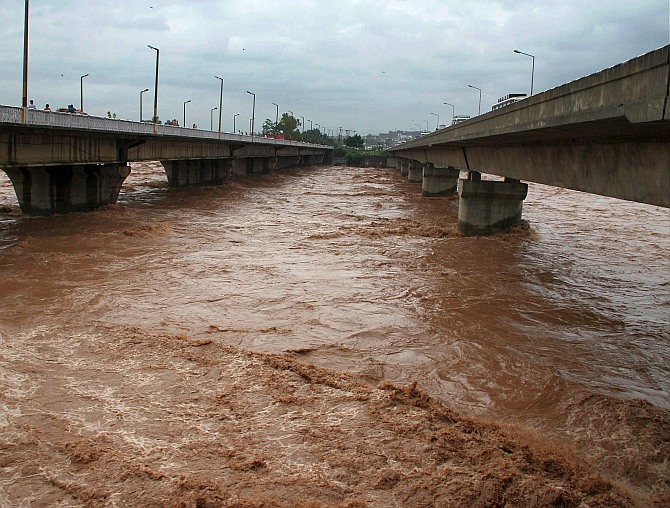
[[47, 190], [404, 167], [398, 165], [415, 172], [286, 161], [185, 173], [486, 207], [439, 181], [242, 166], [311, 160]]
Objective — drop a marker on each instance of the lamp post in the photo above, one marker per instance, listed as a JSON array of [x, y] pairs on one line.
[[310, 124], [453, 111], [185, 103], [211, 118], [141, 92], [234, 117], [220, 103], [276, 116], [480, 97], [437, 126], [253, 115], [155, 119], [24, 101], [426, 125], [532, 72], [81, 95]]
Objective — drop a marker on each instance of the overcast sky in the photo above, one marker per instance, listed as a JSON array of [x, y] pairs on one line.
[[364, 65]]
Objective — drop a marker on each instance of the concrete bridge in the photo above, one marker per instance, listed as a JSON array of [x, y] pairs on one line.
[[607, 133], [60, 162]]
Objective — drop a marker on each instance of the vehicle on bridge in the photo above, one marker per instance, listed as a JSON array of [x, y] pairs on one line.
[[459, 119], [507, 100]]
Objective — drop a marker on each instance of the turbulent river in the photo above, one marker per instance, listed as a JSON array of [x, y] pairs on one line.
[[561, 325]]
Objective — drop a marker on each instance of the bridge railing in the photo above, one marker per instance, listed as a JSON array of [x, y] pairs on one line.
[[38, 117]]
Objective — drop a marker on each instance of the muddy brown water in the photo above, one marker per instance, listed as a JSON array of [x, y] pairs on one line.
[[561, 325]]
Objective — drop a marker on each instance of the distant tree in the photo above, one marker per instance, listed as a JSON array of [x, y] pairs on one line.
[[288, 126], [268, 127], [355, 141]]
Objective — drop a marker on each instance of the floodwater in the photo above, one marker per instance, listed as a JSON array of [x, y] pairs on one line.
[[561, 325]]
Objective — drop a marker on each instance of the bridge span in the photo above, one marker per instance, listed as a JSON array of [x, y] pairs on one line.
[[61, 162], [607, 133]]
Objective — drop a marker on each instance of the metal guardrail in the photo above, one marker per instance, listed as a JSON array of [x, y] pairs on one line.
[[41, 118]]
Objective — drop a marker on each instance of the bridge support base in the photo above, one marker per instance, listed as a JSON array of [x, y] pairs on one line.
[[187, 173], [311, 160], [415, 172], [439, 181], [398, 165], [487, 207], [286, 161], [48, 190], [404, 168]]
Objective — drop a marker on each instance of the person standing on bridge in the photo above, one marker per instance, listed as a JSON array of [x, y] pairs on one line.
[[47, 108], [32, 105]]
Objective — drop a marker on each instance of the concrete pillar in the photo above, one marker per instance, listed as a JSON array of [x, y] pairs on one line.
[[439, 181], [404, 167], [487, 207], [186, 173], [398, 164], [312, 160], [286, 161], [260, 165], [242, 166], [47, 190], [415, 172]]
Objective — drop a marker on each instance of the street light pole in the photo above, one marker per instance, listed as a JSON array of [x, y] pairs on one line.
[[532, 72], [81, 96], [437, 126], [24, 102], [145, 90], [253, 115], [211, 119], [155, 119], [185, 103], [480, 97], [220, 103], [453, 111], [234, 118], [276, 117], [426, 125]]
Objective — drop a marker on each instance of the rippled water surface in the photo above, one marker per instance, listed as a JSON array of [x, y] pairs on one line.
[[556, 325]]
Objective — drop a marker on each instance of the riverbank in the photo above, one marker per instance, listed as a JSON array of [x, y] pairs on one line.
[[127, 417]]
